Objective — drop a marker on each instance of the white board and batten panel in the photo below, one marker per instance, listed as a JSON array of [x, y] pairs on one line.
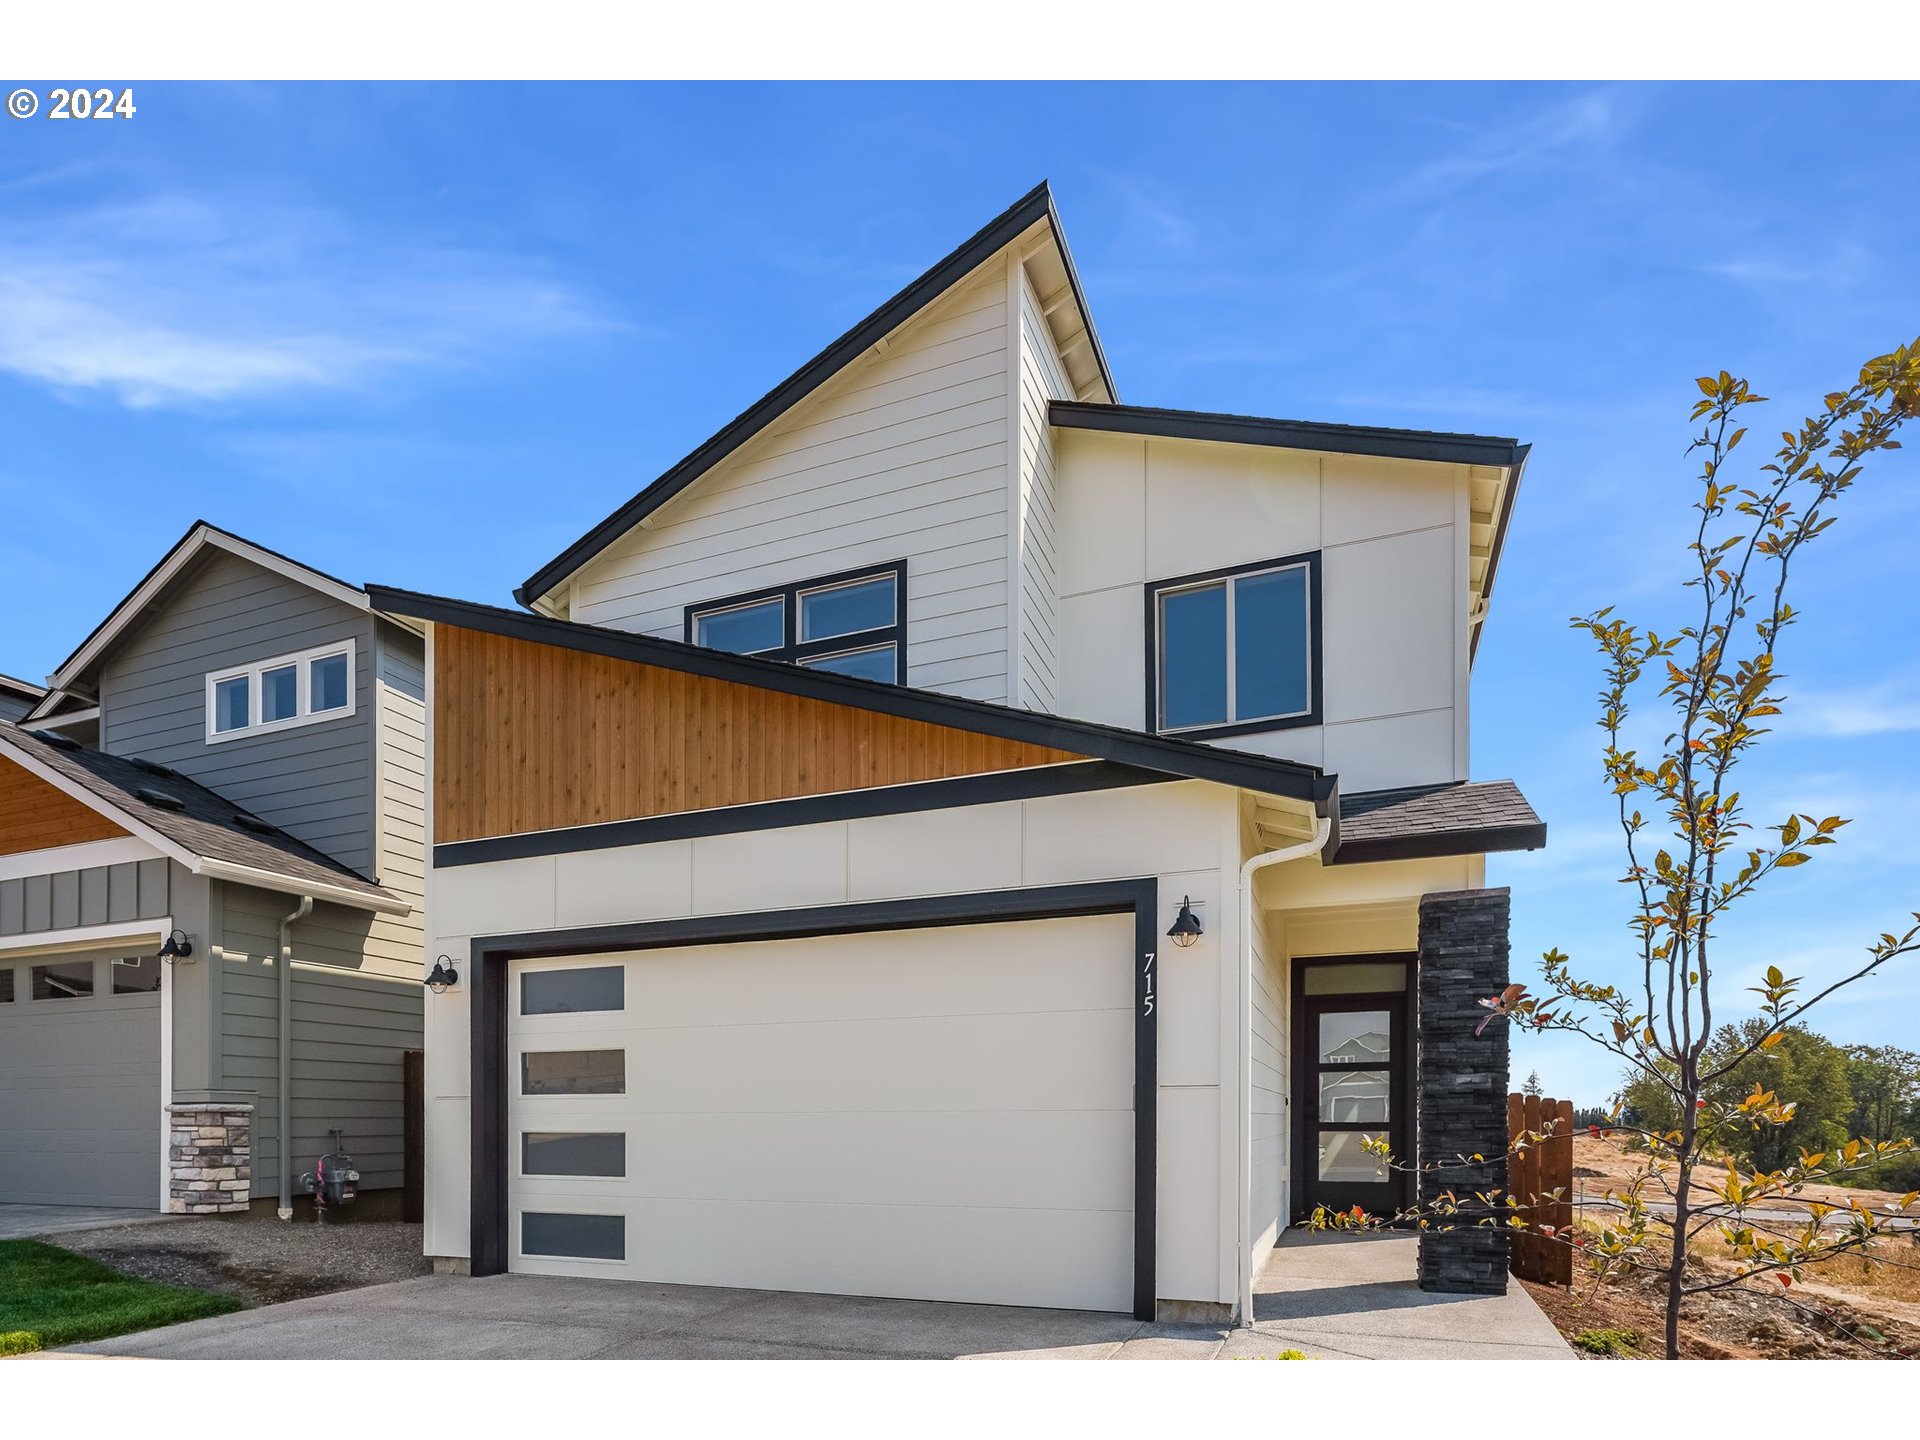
[[941, 1114], [1392, 549], [901, 457]]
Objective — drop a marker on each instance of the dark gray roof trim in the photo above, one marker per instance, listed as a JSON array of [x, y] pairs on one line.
[[1035, 205], [1287, 434], [1184, 758], [191, 815], [24, 688], [1426, 820]]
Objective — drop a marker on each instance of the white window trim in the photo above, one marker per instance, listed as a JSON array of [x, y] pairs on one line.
[[1231, 584], [302, 661]]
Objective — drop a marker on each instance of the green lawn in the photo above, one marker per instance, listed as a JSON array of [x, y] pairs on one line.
[[51, 1297]]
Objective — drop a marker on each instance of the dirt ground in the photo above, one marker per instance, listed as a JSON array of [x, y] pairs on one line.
[[255, 1258], [1600, 1164], [1760, 1319]]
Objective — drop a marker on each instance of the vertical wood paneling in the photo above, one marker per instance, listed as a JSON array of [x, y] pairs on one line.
[[533, 737]]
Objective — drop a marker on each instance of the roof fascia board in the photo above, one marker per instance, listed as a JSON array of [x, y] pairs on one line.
[[1286, 434], [1515, 473], [1186, 759], [1035, 206], [1443, 843], [292, 885], [156, 580]]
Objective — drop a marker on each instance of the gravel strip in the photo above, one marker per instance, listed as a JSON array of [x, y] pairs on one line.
[[259, 1259]]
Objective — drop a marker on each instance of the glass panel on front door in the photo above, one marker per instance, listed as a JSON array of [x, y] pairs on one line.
[[1352, 1072]]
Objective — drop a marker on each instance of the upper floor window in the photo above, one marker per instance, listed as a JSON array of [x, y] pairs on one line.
[[1235, 651], [853, 624], [281, 693]]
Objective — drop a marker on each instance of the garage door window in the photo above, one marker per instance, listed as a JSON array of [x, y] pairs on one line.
[[573, 1072], [573, 992], [136, 975], [575, 1237], [548, 1152], [6, 987], [63, 982]]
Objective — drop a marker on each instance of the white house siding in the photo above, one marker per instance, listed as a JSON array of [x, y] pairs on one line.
[[353, 1017], [1040, 378], [902, 456], [400, 833], [1271, 1058], [1392, 536], [1185, 833]]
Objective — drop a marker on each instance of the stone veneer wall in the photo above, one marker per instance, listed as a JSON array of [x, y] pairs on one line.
[[1462, 1085], [209, 1158]]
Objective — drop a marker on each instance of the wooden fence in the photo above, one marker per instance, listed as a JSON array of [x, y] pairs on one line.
[[1533, 1174]]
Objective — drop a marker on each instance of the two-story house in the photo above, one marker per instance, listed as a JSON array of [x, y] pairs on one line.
[[211, 891], [945, 836]]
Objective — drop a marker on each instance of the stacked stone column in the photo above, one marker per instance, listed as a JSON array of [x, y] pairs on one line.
[[1462, 1088], [209, 1158]]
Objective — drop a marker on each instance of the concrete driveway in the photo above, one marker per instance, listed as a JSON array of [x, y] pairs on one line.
[[30, 1222], [1334, 1297]]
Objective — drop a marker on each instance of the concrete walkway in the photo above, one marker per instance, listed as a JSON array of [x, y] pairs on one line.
[[30, 1222], [1334, 1297]]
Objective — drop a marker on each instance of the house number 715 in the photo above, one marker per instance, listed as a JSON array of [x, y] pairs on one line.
[[1146, 999]]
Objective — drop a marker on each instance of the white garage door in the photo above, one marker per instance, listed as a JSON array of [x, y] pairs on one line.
[[942, 1114], [80, 1081]]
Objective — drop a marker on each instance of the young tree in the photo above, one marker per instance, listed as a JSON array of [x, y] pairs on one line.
[[1697, 858], [1696, 861], [1532, 1087]]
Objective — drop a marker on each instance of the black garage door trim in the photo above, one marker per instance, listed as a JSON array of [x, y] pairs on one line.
[[492, 955]]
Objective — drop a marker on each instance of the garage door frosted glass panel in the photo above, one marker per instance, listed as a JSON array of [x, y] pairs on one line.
[[551, 1152], [573, 1072], [578, 1237], [573, 992], [940, 1114]]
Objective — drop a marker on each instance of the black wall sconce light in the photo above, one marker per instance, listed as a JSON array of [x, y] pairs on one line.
[[1186, 925], [177, 948], [443, 976]]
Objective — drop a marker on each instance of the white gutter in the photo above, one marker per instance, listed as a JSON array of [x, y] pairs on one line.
[[289, 885], [1322, 829], [301, 911]]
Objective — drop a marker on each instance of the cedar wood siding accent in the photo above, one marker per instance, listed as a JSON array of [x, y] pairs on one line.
[[903, 456], [314, 781], [37, 816], [534, 737]]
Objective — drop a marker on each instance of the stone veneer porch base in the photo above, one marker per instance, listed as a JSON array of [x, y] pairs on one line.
[[209, 1158]]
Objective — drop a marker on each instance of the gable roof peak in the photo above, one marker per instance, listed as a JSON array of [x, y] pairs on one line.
[[1033, 208]]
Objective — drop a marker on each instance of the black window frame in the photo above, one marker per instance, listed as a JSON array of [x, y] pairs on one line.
[[1310, 561], [795, 651]]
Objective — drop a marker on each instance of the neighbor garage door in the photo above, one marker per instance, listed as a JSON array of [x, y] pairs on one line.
[[79, 1081], [941, 1114]]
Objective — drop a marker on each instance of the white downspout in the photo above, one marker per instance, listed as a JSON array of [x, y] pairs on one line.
[[1321, 830], [304, 909]]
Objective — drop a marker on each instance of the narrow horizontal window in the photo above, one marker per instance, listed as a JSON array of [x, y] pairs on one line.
[[136, 975], [1236, 651], [70, 981], [571, 992], [851, 624], [552, 1152], [573, 1237], [573, 1072], [282, 692]]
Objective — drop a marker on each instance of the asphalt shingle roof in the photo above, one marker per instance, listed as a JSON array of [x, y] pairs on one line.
[[188, 813], [1466, 818]]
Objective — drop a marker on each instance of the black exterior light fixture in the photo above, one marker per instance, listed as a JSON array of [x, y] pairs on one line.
[[443, 976], [1186, 925], [177, 948]]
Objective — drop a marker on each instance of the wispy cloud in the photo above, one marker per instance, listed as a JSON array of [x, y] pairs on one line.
[[1890, 707], [1589, 120], [178, 301]]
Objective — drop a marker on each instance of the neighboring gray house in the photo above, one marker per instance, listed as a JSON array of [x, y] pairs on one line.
[[235, 758], [17, 697]]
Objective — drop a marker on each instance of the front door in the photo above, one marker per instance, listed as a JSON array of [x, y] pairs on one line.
[[1351, 1087]]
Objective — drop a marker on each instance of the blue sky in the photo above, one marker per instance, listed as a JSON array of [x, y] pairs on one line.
[[426, 335]]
